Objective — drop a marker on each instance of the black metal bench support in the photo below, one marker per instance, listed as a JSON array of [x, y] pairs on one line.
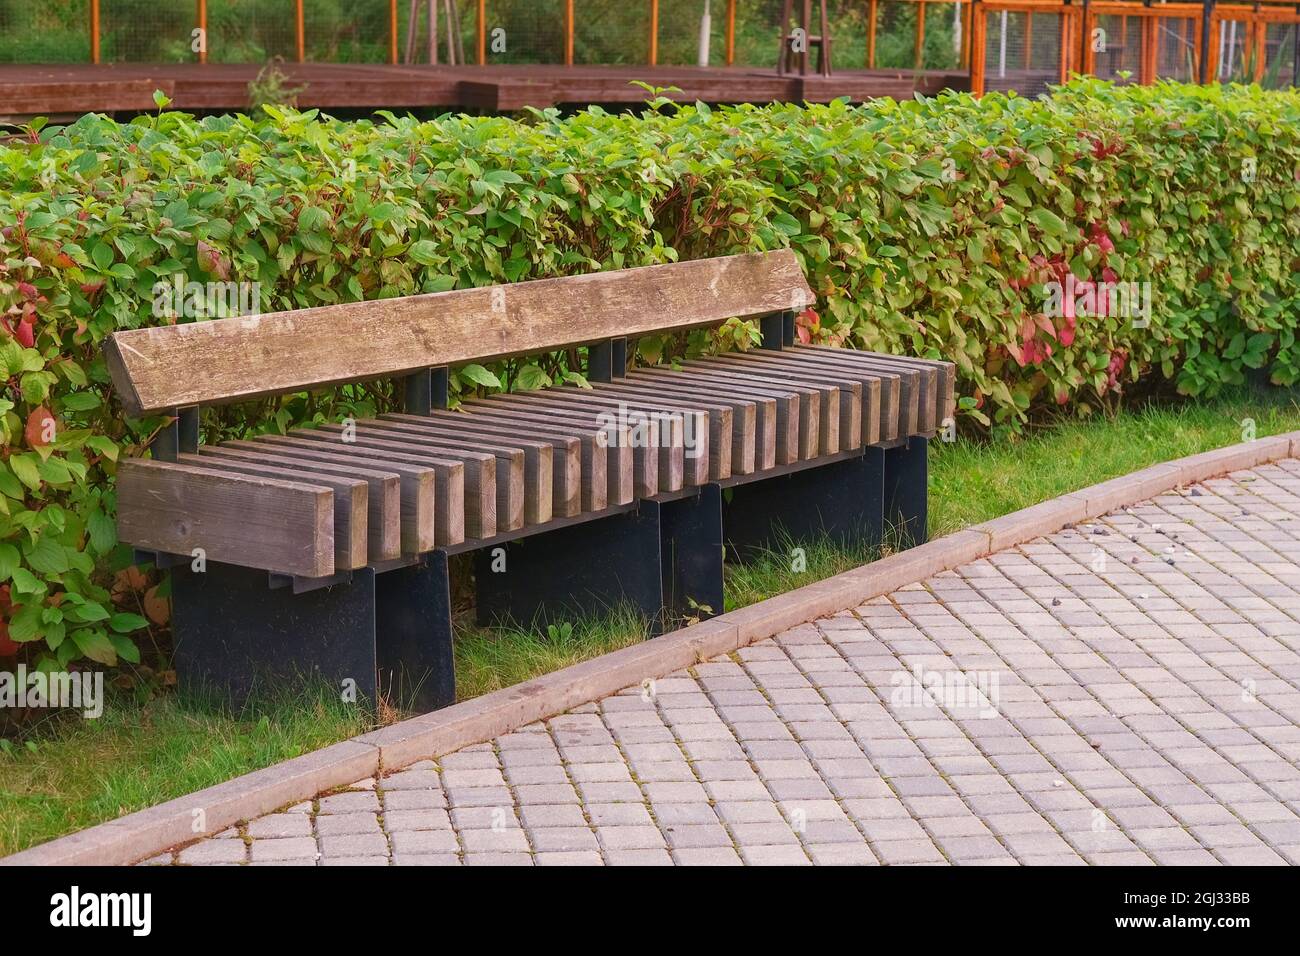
[[691, 546], [413, 635], [842, 501], [574, 571], [663, 559], [367, 633], [906, 486]]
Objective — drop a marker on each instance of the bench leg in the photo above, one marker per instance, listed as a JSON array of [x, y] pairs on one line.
[[843, 501], [906, 490], [574, 571], [384, 634], [691, 544], [413, 635], [235, 634]]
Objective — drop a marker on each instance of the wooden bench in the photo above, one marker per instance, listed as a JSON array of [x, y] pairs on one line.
[[324, 551]]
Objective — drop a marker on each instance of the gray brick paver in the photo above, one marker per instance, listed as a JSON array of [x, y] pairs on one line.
[[1144, 711]]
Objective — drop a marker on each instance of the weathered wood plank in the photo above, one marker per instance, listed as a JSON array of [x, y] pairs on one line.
[[798, 409], [859, 390], [620, 464], [891, 388], [945, 388], [566, 453], [281, 526], [236, 359], [753, 434], [504, 511], [383, 499], [539, 498], [911, 384], [594, 483], [720, 418], [645, 461], [841, 425], [664, 426], [433, 494], [351, 502]]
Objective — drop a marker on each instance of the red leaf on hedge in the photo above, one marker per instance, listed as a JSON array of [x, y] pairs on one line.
[[25, 335], [41, 427]]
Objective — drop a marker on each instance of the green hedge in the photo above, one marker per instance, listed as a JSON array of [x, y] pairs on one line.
[[926, 227]]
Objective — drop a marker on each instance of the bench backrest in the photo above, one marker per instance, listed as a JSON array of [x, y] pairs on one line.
[[161, 368]]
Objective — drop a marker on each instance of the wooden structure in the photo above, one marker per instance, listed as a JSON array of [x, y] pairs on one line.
[[326, 549], [796, 44], [128, 87]]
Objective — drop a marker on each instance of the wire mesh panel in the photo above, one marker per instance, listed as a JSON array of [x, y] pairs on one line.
[[1281, 55], [611, 32], [896, 32], [251, 31], [1115, 44], [347, 31], [1176, 45], [55, 31], [1022, 50], [1232, 45], [522, 31], [147, 31]]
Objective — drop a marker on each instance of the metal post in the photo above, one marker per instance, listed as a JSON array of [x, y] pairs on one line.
[[654, 32], [568, 32], [392, 32], [482, 32], [203, 30], [300, 32], [94, 31], [731, 32]]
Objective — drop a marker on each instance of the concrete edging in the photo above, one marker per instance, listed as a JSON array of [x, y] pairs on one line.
[[145, 833]]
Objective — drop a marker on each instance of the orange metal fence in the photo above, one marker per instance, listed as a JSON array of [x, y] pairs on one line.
[[1132, 42]]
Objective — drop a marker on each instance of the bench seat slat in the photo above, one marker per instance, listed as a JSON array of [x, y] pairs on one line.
[[645, 461], [383, 499], [508, 465], [722, 419], [798, 409], [891, 384], [566, 452], [620, 470], [670, 437], [538, 496], [266, 523], [859, 390], [351, 503], [433, 498], [483, 518], [841, 423], [754, 416], [594, 461]]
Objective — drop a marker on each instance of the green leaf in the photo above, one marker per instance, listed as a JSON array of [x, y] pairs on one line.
[[26, 468], [424, 252], [9, 558], [95, 645], [1048, 221], [480, 376], [102, 530], [125, 623]]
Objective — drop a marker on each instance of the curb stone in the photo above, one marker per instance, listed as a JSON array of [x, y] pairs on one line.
[[145, 833]]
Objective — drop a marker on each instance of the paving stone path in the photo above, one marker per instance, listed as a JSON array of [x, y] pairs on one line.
[[1121, 692]]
